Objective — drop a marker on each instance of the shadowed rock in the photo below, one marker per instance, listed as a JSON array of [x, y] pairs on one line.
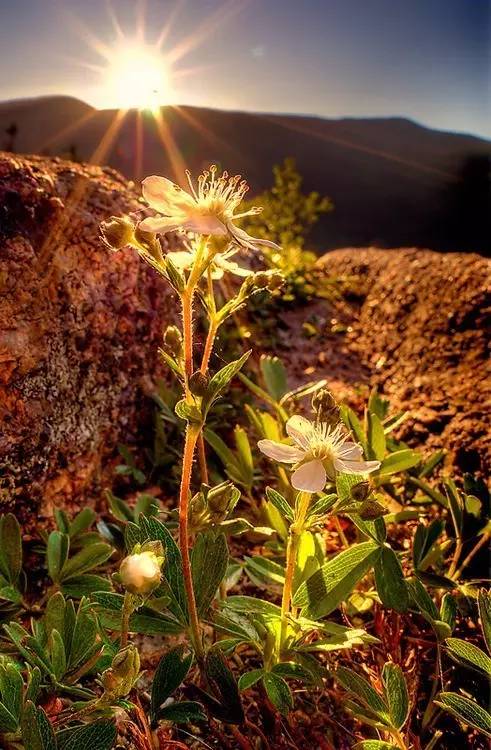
[[79, 329]]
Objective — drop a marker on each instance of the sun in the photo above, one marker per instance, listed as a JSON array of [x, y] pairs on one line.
[[137, 77]]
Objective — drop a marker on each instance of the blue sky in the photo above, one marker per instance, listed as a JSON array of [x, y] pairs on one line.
[[424, 59]]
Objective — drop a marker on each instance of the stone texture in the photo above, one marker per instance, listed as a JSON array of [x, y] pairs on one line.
[[79, 327], [420, 330]]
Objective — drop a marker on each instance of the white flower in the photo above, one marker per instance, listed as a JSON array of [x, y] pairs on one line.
[[320, 451], [140, 572], [184, 259], [208, 210]]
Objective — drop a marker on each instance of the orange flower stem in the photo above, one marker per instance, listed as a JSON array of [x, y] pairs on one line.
[[187, 329], [192, 433], [203, 468]]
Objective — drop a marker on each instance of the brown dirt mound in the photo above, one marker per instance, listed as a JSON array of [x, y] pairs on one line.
[[79, 327], [419, 331]]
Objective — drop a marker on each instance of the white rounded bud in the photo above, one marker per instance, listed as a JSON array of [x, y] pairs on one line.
[[140, 572]]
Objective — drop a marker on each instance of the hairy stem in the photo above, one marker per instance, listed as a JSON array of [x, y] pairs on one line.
[[125, 619], [187, 329], [192, 433], [294, 534], [203, 468]]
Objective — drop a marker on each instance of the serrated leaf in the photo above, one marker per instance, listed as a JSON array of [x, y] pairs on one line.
[[85, 585], [184, 712], [209, 560], [471, 655], [373, 745], [248, 679], [466, 710], [11, 689], [329, 586], [98, 735], [37, 732], [360, 687], [448, 610], [389, 580], [224, 687], [293, 671], [396, 694], [278, 692], [251, 604], [220, 380], [322, 506], [171, 671], [279, 502], [145, 621]]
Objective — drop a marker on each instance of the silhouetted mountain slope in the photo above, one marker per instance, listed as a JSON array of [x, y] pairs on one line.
[[392, 181]]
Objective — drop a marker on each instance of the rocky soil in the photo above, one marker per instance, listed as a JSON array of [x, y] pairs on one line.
[[79, 329]]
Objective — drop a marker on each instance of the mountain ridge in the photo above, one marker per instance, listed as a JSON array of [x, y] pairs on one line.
[[393, 181]]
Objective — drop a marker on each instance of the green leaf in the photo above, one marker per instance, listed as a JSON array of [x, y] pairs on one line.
[[37, 732], [145, 621], [389, 580], [354, 425], [396, 694], [344, 485], [209, 560], [88, 558], [119, 508], [153, 530], [10, 548], [293, 671], [399, 461], [329, 586], [220, 380], [278, 692], [82, 522], [448, 610], [171, 671], [373, 745], [376, 437], [469, 654], [251, 604], [85, 585], [248, 679], [224, 453], [274, 374], [456, 507], [184, 712], [424, 540], [58, 655], [279, 502], [466, 711], [360, 687], [11, 689], [57, 553], [224, 687], [322, 506], [189, 412], [263, 569], [484, 603], [244, 452], [98, 735]]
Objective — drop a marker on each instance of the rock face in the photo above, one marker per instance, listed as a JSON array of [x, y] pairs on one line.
[[421, 333], [79, 328]]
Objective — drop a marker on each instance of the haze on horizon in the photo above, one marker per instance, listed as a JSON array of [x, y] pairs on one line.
[[428, 60]]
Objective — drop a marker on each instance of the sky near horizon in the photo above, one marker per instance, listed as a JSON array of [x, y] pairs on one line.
[[428, 60]]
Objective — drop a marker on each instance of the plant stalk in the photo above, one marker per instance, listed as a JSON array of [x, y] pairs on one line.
[[125, 619], [294, 534]]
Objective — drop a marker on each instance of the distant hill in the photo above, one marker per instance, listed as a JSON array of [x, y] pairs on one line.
[[393, 182]]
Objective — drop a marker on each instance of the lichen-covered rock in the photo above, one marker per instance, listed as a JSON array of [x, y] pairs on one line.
[[79, 329], [420, 329]]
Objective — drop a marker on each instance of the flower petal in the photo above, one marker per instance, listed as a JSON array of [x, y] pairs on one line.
[[204, 224], [350, 452], [165, 196], [355, 467], [310, 477], [181, 258], [161, 224], [246, 240], [280, 451], [299, 428]]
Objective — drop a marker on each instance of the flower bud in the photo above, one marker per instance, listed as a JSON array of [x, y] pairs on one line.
[[120, 677], [117, 232], [371, 509], [219, 497], [325, 407], [173, 340], [140, 572], [360, 491], [149, 242], [198, 383]]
